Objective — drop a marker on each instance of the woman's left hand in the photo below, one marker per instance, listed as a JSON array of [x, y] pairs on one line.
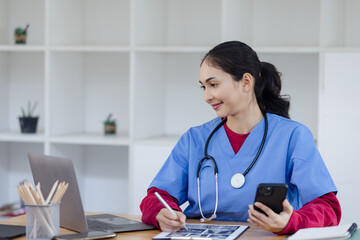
[[273, 222]]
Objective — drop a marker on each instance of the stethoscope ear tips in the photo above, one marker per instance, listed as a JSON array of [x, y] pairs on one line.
[[202, 220]]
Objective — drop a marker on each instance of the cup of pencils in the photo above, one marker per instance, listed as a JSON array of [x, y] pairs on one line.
[[42, 215]]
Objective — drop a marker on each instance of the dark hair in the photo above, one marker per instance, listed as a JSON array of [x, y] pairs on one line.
[[237, 58]]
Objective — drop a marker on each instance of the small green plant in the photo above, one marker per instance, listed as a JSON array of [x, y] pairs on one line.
[[20, 34], [110, 125], [109, 120], [21, 31], [30, 110]]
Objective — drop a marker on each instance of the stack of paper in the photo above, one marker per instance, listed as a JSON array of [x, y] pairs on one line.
[[337, 232]]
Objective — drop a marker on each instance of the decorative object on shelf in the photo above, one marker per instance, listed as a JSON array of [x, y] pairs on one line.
[[28, 122], [109, 125], [20, 34]]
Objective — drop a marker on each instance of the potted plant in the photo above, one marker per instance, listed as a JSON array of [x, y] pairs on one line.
[[28, 122], [109, 125], [20, 34]]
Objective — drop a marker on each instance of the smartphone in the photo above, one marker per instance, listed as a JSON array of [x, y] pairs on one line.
[[86, 235], [271, 195]]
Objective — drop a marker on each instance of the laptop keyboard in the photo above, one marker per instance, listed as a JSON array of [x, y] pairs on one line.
[[100, 226]]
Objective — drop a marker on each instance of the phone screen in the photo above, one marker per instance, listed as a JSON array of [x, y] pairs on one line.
[[86, 235], [271, 195]]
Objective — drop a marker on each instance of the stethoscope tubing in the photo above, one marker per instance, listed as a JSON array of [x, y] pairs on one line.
[[206, 156]]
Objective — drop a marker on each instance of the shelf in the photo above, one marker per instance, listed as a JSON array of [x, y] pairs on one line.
[[159, 141], [340, 49], [31, 12], [290, 50], [273, 23], [93, 48], [298, 83], [100, 86], [102, 173], [92, 139], [173, 49], [342, 66], [14, 167], [93, 22], [21, 81], [12, 136], [164, 23], [21, 48], [178, 103], [340, 20]]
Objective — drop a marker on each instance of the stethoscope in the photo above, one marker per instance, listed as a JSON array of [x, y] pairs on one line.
[[237, 180]]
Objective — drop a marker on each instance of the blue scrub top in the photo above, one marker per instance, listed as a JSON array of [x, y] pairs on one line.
[[289, 156]]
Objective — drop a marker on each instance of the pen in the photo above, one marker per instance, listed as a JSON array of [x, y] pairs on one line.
[[167, 206]]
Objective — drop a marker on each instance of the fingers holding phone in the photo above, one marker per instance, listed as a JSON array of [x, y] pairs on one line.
[[271, 211], [271, 222]]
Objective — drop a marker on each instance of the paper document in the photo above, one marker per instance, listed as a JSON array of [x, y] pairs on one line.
[[205, 232], [336, 232]]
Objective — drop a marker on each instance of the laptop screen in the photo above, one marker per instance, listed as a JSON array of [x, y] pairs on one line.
[[47, 170]]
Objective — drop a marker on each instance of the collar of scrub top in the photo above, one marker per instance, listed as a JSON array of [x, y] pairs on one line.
[[237, 180]]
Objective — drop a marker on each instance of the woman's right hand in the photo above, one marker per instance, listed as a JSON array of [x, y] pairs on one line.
[[168, 222]]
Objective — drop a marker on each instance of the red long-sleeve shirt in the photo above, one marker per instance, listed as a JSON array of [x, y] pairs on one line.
[[321, 212]]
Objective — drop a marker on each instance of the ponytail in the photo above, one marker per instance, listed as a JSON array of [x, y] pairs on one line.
[[267, 91], [237, 58]]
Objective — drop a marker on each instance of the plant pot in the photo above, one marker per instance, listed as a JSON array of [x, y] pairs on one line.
[[109, 129], [20, 39], [28, 124]]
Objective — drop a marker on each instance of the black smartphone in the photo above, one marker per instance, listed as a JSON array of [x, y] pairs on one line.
[[86, 235], [271, 195]]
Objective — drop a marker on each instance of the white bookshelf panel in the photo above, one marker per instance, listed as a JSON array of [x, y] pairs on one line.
[[102, 174], [339, 143], [4, 169], [4, 93], [177, 23], [92, 139], [285, 23], [4, 22], [185, 105], [237, 20], [299, 80], [348, 200], [22, 80], [15, 160], [341, 71], [168, 99], [150, 20], [147, 161], [89, 22], [17, 136], [340, 23], [18, 13], [85, 88]]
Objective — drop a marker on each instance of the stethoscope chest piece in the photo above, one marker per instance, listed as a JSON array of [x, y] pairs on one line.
[[237, 180]]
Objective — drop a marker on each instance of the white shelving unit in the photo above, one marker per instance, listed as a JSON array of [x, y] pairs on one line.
[[139, 59]]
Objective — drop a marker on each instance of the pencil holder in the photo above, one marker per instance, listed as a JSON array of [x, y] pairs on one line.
[[42, 221]]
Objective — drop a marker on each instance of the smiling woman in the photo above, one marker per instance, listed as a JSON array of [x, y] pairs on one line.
[[253, 141]]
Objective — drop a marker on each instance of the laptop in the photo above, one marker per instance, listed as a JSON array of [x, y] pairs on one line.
[[47, 169]]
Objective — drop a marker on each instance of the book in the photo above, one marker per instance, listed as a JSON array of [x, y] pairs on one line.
[[205, 232], [336, 232]]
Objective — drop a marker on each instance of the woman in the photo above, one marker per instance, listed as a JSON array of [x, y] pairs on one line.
[[253, 119]]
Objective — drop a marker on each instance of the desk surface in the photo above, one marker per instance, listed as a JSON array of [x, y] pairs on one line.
[[252, 233]]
